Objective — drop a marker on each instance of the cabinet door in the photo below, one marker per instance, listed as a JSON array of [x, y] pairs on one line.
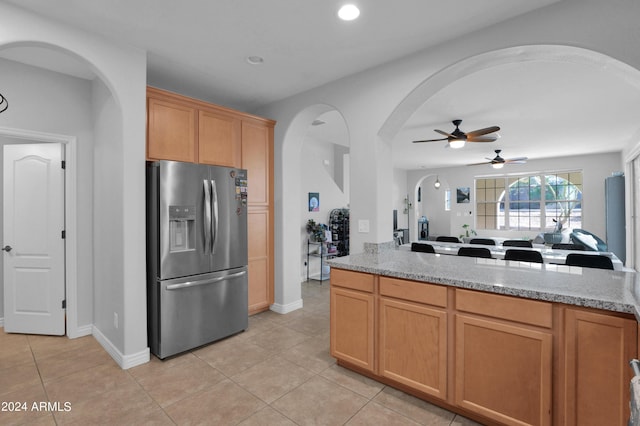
[[598, 349], [171, 131], [257, 158], [503, 371], [352, 316], [413, 346], [260, 288], [219, 139]]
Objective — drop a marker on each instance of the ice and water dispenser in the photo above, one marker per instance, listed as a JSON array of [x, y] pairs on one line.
[[182, 228]]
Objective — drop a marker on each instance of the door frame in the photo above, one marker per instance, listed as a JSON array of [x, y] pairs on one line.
[[71, 242]]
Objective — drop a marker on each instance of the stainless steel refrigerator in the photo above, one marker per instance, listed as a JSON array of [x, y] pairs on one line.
[[197, 283]]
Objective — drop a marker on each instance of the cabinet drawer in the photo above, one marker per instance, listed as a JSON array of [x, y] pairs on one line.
[[354, 280], [505, 307], [414, 291]]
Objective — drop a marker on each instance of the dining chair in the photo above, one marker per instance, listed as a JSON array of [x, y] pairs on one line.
[[483, 241], [523, 255], [567, 246], [475, 252], [517, 243], [422, 248], [589, 261], [446, 239]]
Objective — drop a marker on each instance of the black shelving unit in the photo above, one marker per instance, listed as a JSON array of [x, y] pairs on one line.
[[339, 226]]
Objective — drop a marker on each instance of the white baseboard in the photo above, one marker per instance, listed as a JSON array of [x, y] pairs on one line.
[[285, 309], [85, 330], [124, 361]]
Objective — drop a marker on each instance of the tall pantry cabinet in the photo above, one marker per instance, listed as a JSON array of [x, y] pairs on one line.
[[186, 129]]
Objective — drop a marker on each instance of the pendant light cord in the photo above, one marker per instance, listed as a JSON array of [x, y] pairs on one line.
[[4, 104]]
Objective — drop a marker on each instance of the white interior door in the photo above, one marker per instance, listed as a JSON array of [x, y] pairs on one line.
[[33, 208]]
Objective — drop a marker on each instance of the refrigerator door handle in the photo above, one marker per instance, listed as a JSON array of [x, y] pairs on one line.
[[204, 282], [207, 215], [214, 224]]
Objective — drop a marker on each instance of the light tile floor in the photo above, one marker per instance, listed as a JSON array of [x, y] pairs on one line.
[[278, 372]]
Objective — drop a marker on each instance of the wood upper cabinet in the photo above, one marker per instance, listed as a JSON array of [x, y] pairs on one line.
[[257, 158], [413, 342], [171, 130], [503, 369], [186, 129], [352, 318], [219, 139], [598, 348]]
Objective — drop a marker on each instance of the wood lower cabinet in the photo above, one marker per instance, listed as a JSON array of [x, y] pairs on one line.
[[498, 359], [503, 371], [504, 357], [352, 318], [598, 348], [260, 286], [413, 345]]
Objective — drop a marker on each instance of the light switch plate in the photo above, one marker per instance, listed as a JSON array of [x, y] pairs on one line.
[[363, 225]]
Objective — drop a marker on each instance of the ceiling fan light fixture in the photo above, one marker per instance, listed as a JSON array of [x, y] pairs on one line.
[[348, 12], [497, 165], [456, 143]]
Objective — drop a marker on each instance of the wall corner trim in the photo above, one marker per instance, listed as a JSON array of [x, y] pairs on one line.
[[124, 361], [285, 309]]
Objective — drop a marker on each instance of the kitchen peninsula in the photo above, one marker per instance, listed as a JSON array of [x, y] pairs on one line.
[[502, 342]]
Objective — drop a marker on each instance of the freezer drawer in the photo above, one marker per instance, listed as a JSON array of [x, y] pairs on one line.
[[196, 310]]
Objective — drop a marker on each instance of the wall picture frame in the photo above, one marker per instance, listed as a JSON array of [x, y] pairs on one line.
[[314, 201], [463, 195]]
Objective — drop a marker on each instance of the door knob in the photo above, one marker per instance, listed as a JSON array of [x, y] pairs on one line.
[[7, 248]]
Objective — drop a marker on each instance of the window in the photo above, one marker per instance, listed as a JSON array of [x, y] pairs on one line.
[[532, 202], [447, 199]]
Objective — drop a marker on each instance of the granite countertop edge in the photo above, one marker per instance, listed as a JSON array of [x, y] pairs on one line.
[[394, 265]]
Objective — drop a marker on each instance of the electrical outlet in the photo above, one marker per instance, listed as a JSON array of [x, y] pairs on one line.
[[115, 319]]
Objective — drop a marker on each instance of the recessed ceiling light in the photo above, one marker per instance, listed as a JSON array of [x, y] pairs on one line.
[[348, 12], [255, 60]]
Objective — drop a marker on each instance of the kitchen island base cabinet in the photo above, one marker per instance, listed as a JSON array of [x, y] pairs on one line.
[[352, 318], [503, 371], [411, 332], [597, 374], [498, 359]]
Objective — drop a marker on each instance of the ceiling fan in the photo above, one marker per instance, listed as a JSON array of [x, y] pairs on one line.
[[498, 162], [457, 138]]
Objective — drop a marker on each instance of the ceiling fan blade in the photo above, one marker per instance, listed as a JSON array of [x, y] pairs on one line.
[[482, 139], [481, 132], [522, 160], [449, 135], [477, 164], [431, 140]]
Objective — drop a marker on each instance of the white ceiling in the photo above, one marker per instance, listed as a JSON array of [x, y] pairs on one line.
[[543, 109], [199, 48]]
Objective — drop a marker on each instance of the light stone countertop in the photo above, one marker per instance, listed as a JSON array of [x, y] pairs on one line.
[[594, 288]]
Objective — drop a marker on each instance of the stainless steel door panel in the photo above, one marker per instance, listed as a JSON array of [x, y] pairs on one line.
[[198, 310], [229, 219], [181, 185]]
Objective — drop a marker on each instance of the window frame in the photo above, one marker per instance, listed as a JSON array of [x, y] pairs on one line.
[[501, 221]]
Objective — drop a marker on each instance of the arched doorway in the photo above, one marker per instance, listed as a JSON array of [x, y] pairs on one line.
[[106, 115]]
